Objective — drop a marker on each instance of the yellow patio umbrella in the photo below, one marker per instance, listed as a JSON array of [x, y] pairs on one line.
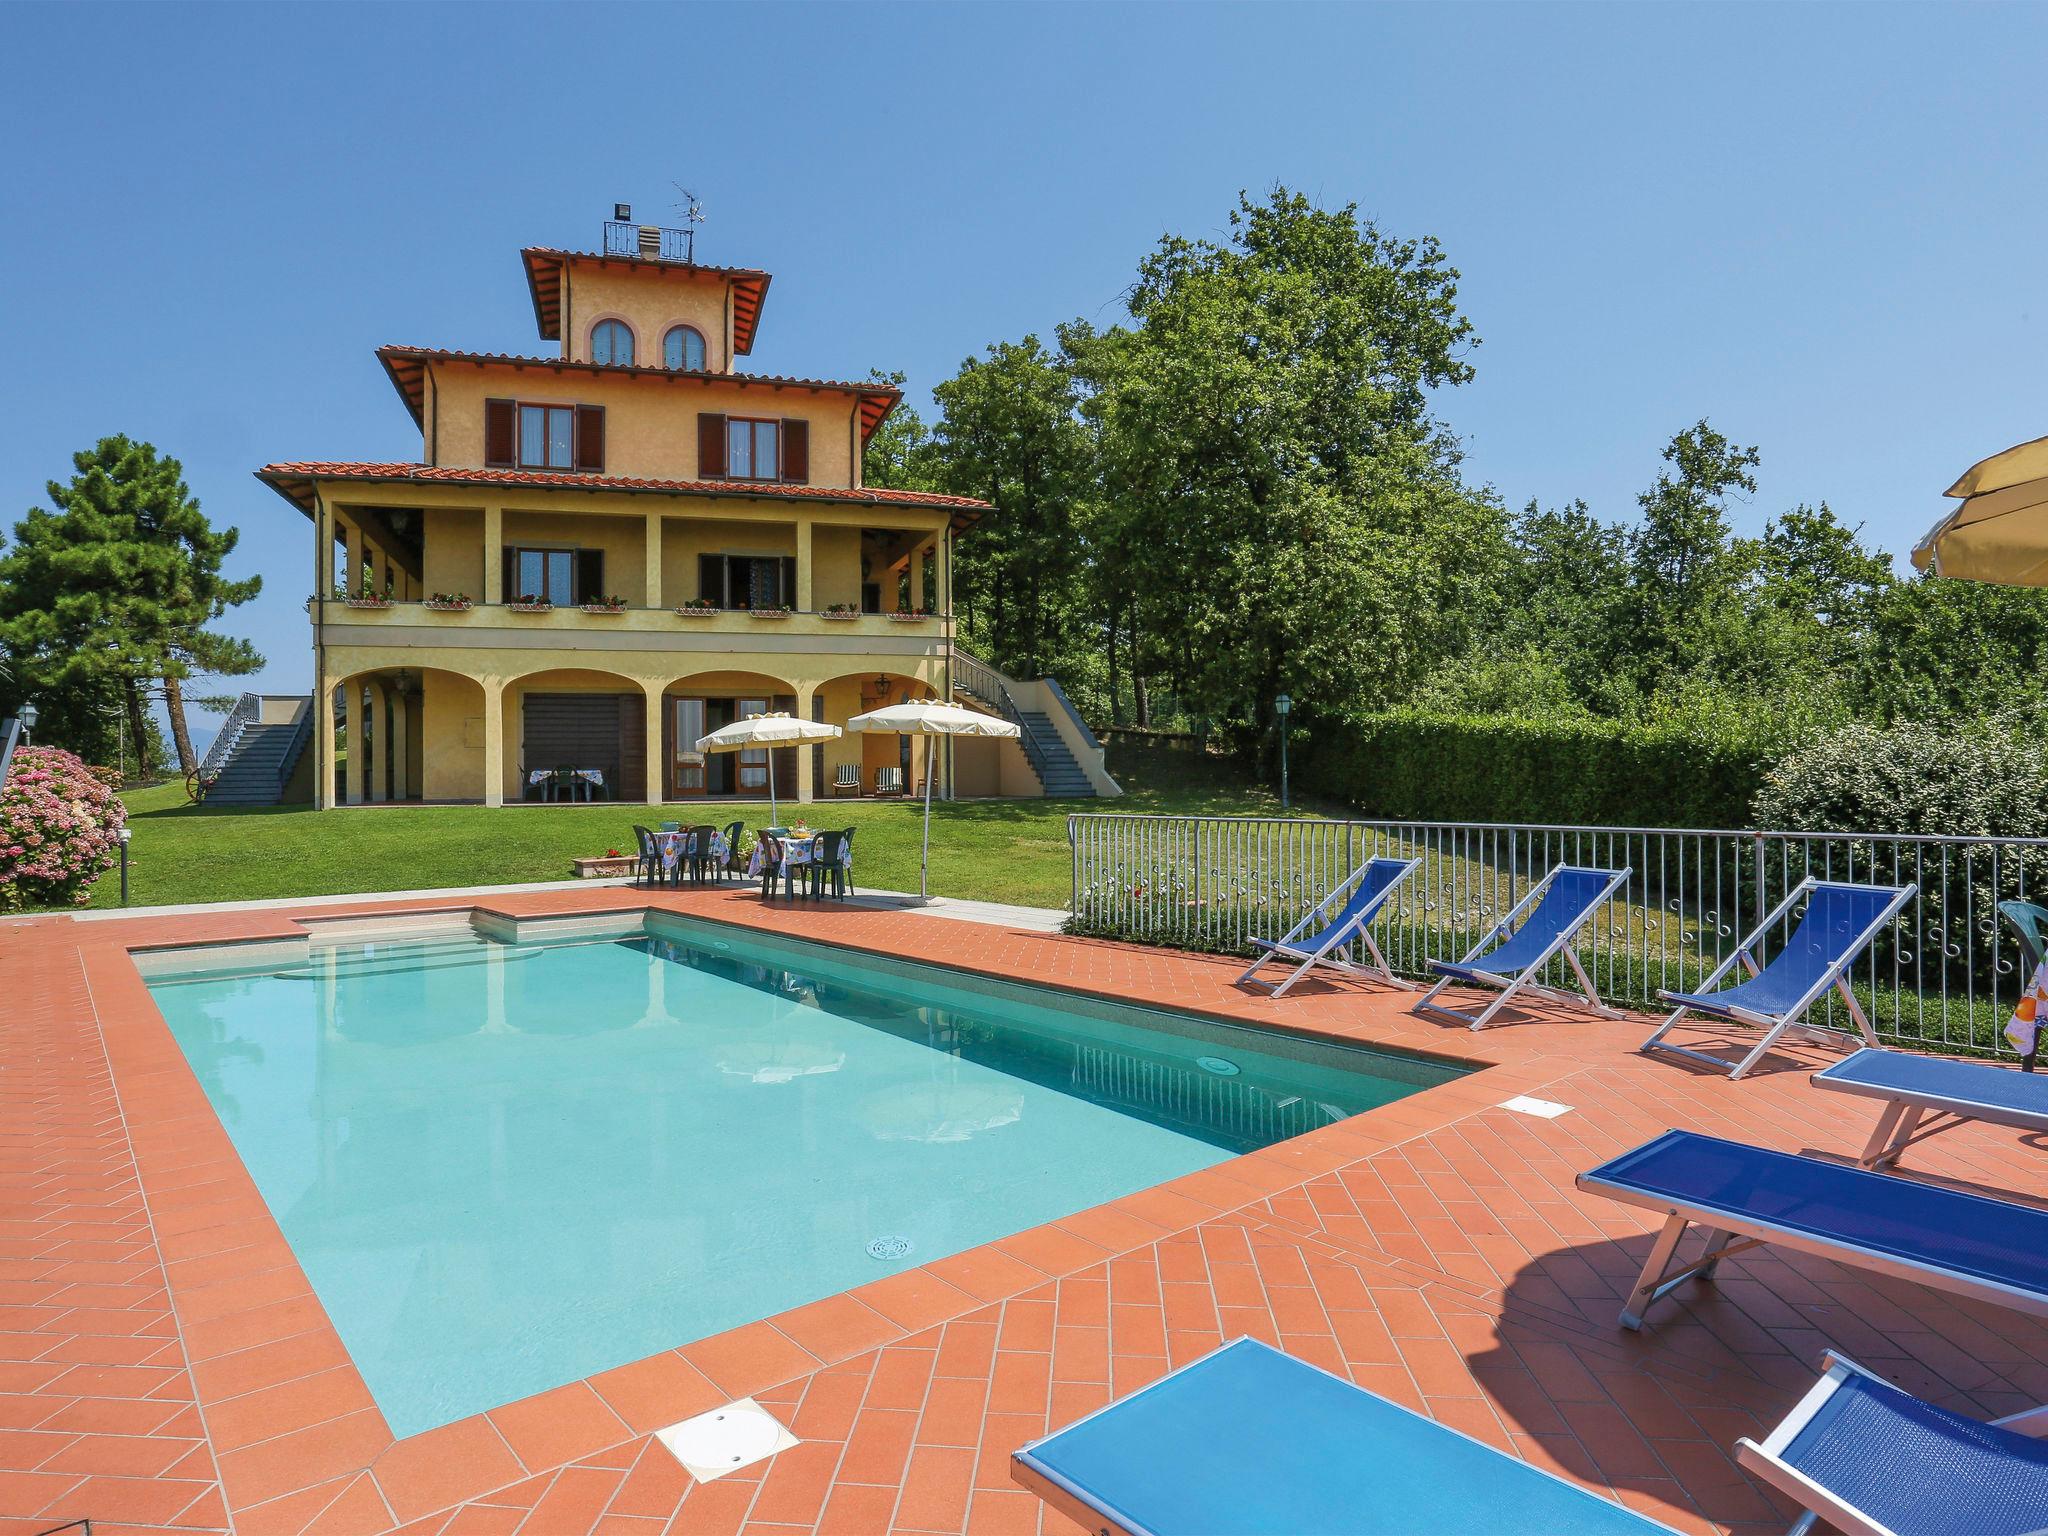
[[2000, 532]]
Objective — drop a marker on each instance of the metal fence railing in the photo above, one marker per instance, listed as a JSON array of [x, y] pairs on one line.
[[1945, 974]]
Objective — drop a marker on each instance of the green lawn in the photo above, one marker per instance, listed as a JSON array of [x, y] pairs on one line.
[[1010, 850]]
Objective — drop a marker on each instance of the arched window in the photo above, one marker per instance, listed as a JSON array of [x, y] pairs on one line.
[[611, 341], [683, 347]]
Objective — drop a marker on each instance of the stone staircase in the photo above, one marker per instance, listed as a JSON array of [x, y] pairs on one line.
[[1057, 769], [257, 762], [1060, 774]]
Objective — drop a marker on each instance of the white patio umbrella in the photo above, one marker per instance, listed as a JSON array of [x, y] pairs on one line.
[[777, 730], [2000, 532], [928, 717]]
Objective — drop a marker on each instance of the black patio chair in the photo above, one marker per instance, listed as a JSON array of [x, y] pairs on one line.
[[733, 864], [701, 863], [831, 864], [648, 872], [771, 861]]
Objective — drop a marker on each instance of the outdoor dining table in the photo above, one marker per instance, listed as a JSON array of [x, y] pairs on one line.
[[798, 850], [674, 847], [593, 777]]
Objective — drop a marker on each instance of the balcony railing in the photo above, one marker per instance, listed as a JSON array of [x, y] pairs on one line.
[[649, 240]]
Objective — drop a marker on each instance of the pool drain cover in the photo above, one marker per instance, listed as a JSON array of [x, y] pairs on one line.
[[1217, 1065], [891, 1247], [725, 1439]]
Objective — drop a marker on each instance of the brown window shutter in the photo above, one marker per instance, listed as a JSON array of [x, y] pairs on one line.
[[590, 576], [590, 438], [508, 589], [711, 578], [501, 424], [710, 445], [796, 451], [788, 580]]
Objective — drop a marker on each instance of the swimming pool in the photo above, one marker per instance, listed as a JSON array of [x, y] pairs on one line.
[[508, 1165]]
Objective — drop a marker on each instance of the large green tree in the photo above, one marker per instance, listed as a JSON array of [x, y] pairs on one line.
[[1279, 508], [109, 590]]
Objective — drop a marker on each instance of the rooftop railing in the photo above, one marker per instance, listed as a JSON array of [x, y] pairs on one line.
[[624, 238], [1945, 974]]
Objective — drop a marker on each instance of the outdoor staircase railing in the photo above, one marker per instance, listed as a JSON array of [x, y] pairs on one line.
[[993, 689], [302, 731], [247, 708]]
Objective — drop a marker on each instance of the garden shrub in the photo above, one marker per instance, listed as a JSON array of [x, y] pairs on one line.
[[1579, 771], [1917, 777], [1911, 777], [59, 830]]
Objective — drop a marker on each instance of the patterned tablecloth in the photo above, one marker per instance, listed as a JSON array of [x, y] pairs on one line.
[[797, 851], [592, 776], [674, 847]]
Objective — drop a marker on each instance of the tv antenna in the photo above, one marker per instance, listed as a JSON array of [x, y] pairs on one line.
[[692, 214]]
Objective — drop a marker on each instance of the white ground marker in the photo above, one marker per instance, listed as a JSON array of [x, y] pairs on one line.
[[1542, 1109], [725, 1439]]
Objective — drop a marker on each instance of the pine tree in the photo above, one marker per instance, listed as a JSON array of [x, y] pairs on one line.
[[112, 590]]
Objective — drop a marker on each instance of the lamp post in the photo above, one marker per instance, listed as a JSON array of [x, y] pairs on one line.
[[124, 834], [1281, 706], [28, 719]]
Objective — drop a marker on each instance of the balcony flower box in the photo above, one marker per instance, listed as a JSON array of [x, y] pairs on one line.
[[769, 613], [697, 610], [449, 602], [361, 601], [530, 605], [839, 611], [609, 605], [914, 616]]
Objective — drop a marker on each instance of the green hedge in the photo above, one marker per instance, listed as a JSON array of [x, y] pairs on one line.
[[1494, 768]]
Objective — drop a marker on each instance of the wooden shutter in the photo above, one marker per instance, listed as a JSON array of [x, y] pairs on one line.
[[590, 438], [788, 593], [796, 451], [508, 589], [501, 434], [590, 576], [711, 578], [710, 445]]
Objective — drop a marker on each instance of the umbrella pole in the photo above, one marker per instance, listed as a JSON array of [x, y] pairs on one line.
[[774, 817], [924, 858]]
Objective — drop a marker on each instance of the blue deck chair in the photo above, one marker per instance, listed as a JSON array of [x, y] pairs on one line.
[[1952, 1090], [1872, 1460], [1839, 924], [1372, 883], [1563, 902], [1743, 1196], [1247, 1441]]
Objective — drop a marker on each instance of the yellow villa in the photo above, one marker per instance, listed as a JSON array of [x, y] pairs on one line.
[[602, 555]]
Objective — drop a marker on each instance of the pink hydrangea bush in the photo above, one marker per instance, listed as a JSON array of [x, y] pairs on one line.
[[59, 830]]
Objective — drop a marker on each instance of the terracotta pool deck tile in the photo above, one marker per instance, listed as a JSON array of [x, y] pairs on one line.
[[915, 1299], [553, 1427], [837, 1327], [743, 1361], [429, 1471], [1437, 1238]]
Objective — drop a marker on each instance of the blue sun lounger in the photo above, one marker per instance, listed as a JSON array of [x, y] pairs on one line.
[[1565, 899], [1743, 1196], [1372, 884], [1839, 923], [1874, 1461], [1951, 1090], [1247, 1441]]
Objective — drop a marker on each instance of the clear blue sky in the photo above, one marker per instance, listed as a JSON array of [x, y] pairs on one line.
[[1822, 227]]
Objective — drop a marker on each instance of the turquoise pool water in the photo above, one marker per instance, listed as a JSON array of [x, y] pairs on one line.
[[508, 1166]]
